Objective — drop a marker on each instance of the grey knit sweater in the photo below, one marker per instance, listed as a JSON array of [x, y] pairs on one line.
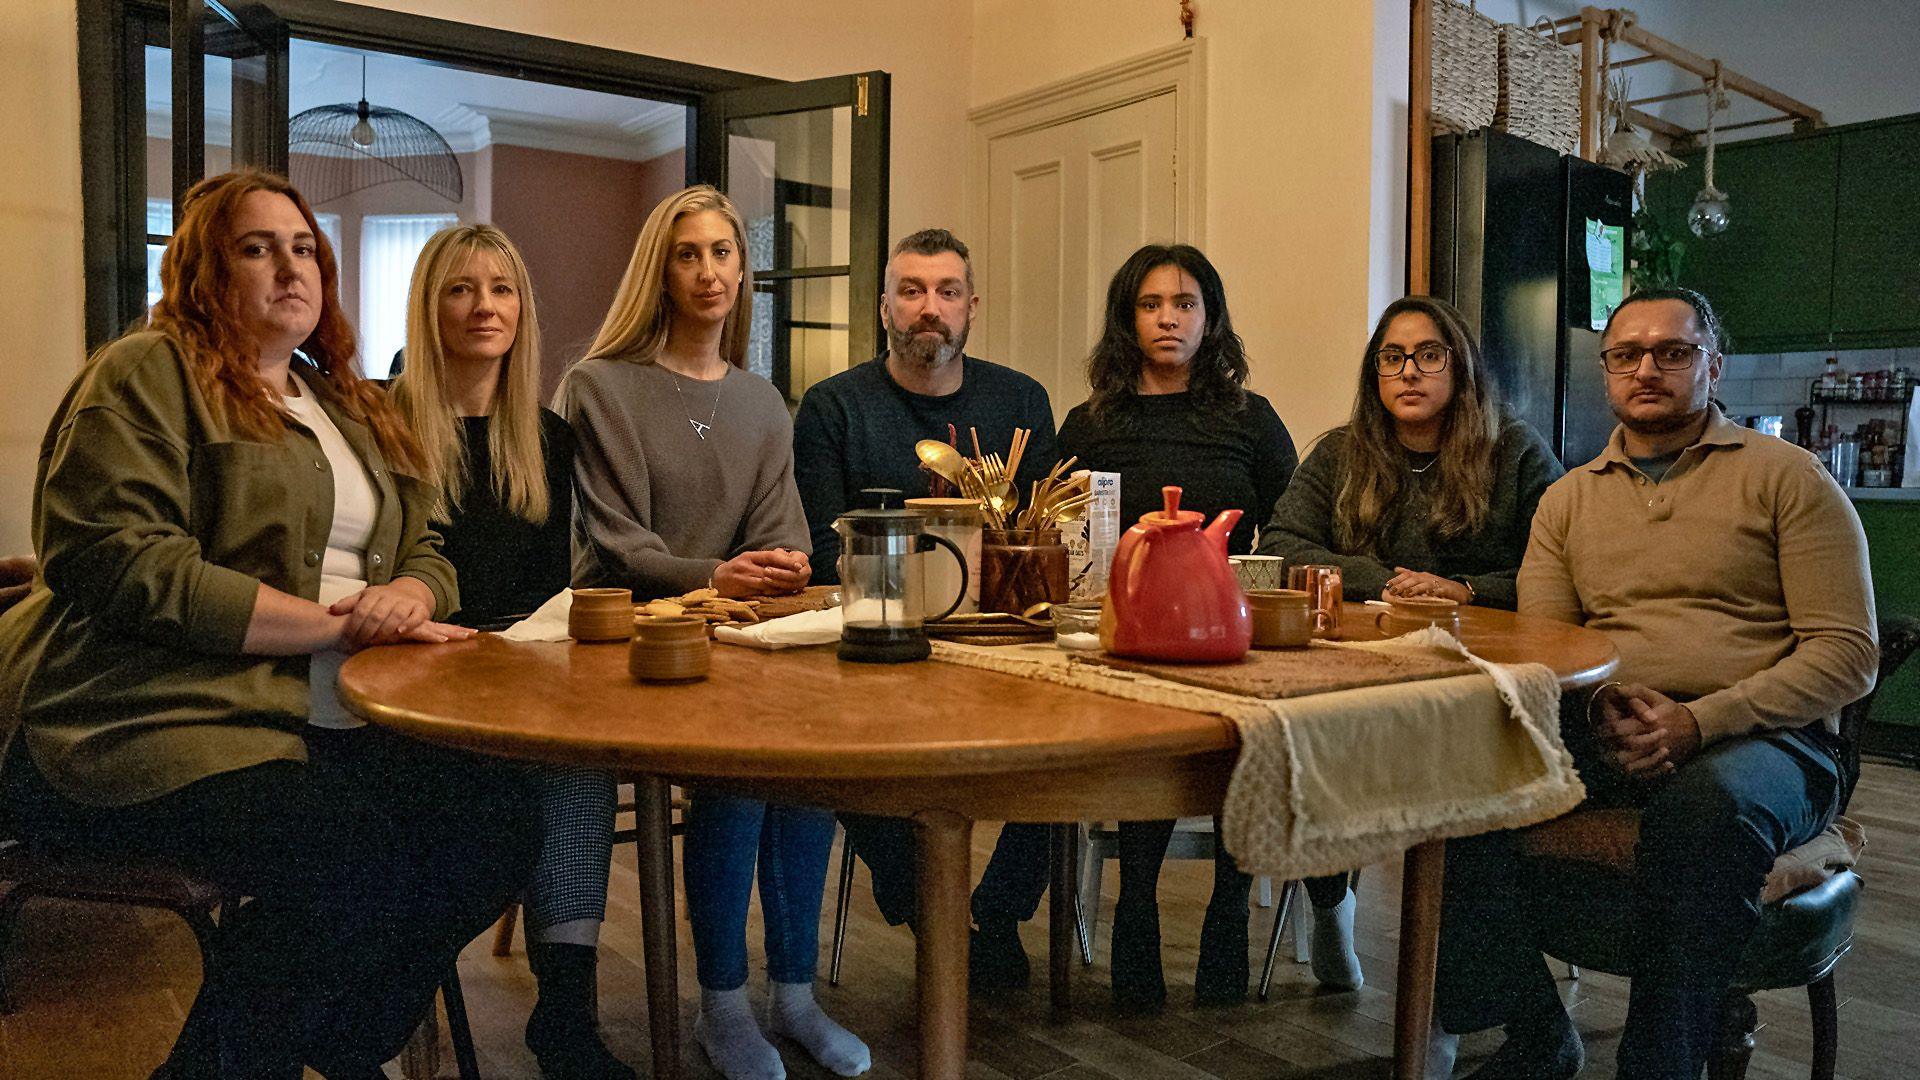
[[657, 507], [1302, 524]]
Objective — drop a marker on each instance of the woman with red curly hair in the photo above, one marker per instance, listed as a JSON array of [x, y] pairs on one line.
[[223, 510]]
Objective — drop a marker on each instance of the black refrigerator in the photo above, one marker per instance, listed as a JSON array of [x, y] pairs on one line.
[[1511, 251]]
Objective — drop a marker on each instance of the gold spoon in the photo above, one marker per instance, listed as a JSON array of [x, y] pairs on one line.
[[944, 460]]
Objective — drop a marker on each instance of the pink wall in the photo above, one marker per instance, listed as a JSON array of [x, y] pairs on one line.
[[575, 218]]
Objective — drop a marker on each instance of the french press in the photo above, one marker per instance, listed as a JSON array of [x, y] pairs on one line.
[[881, 585]]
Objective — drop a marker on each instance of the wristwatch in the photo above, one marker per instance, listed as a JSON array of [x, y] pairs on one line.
[[1462, 579]]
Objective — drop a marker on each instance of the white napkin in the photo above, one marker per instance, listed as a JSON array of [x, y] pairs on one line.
[[807, 628], [547, 624]]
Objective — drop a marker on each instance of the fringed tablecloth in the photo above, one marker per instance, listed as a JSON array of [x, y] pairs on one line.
[[1331, 781]]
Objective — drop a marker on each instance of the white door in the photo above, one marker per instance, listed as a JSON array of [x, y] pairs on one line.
[[1066, 205]]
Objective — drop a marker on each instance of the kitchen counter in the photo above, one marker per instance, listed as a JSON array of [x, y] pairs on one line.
[[1866, 494]]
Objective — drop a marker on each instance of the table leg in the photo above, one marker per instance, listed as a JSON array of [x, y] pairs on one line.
[[1420, 890], [653, 820], [1062, 934], [941, 925]]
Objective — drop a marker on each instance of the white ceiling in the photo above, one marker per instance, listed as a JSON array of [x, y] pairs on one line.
[[468, 108]]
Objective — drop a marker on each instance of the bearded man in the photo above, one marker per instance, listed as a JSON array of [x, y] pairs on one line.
[[856, 430]]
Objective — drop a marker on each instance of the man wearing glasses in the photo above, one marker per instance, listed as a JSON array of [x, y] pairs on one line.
[[1731, 573]]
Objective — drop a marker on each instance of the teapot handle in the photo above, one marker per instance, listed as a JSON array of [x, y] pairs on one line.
[[926, 542]]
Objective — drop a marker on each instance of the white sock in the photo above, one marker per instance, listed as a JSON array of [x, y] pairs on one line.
[[1334, 961], [793, 1012], [572, 932], [1442, 1049], [726, 1029]]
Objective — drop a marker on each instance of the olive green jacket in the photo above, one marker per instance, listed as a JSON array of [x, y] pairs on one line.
[[154, 529]]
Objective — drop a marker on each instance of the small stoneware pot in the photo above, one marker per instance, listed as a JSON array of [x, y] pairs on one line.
[[600, 615], [669, 648], [1282, 618], [1405, 614]]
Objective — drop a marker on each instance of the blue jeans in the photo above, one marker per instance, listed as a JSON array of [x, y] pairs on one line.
[[1708, 835], [726, 837]]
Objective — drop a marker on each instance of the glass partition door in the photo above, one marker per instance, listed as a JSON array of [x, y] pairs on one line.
[[806, 165]]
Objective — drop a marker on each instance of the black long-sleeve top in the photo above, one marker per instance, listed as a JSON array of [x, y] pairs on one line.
[[507, 565], [1241, 460], [856, 430]]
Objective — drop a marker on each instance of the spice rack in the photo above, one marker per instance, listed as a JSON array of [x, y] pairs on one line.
[[1896, 396]]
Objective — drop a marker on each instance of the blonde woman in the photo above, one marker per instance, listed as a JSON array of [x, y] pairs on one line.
[[501, 472], [684, 476]]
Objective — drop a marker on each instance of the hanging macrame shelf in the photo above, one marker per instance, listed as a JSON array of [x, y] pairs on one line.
[[1593, 25]]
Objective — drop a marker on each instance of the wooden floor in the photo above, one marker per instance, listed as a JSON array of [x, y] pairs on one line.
[[101, 991]]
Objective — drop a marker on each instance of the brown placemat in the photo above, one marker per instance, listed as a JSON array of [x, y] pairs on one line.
[[1271, 674]]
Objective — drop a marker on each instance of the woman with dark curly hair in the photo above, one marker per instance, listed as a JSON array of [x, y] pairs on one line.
[[1170, 406]]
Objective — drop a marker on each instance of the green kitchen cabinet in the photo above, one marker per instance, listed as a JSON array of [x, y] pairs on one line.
[[1893, 543], [1876, 276], [1770, 275], [1821, 250]]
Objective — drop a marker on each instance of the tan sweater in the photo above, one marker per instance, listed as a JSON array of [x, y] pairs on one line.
[[1740, 579]]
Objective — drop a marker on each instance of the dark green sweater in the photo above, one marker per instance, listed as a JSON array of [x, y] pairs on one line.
[[1302, 525]]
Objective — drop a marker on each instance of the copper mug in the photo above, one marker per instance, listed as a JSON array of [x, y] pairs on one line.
[[1321, 583]]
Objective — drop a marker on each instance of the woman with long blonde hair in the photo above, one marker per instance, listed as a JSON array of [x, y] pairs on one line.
[[223, 510], [1429, 490], [684, 475], [501, 471]]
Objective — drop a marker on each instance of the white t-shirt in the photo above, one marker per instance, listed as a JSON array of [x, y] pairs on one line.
[[343, 571]]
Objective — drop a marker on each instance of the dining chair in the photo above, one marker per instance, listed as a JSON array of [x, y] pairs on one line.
[[138, 881], [1579, 866]]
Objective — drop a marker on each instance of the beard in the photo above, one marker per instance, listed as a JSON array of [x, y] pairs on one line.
[[919, 345]]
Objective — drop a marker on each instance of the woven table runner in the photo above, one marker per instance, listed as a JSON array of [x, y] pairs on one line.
[[1332, 780], [1292, 673]]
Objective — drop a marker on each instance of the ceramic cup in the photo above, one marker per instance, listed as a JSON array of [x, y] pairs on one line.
[[1405, 614], [1282, 618], [669, 648], [1259, 571], [600, 615]]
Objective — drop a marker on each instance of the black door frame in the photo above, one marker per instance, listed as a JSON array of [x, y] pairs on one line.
[[112, 37]]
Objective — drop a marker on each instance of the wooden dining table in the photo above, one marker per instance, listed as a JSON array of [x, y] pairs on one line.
[[940, 744]]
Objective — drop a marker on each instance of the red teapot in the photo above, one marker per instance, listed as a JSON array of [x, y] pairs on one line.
[[1172, 594]]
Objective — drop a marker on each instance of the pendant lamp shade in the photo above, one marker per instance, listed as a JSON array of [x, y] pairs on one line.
[[336, 150]]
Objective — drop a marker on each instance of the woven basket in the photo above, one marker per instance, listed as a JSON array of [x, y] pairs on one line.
[[1466, 68], [1539, 90]]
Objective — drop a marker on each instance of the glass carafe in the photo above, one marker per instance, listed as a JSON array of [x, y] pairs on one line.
[[882, 585]]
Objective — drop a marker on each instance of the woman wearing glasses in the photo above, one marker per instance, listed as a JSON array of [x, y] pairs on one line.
[[1428, 490]]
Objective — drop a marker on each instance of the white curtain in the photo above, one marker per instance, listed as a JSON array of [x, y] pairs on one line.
[[389, 244]]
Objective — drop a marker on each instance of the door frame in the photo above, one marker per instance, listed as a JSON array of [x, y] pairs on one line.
[[113, 33], [1180, 69]]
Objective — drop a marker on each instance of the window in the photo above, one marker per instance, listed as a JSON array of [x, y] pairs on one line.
[[160, 224], [389, 244]]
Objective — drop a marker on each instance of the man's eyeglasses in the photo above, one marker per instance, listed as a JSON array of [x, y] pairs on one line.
[[1427, 359], [1667, 356]]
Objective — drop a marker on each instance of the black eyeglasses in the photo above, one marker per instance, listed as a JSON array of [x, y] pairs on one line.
[[1427, 359], [1667, 356]]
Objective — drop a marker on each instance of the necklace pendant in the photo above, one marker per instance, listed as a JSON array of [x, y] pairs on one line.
[[699, 428]]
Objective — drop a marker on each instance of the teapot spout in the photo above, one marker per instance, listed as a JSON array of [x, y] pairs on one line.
[[1222, 527]]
